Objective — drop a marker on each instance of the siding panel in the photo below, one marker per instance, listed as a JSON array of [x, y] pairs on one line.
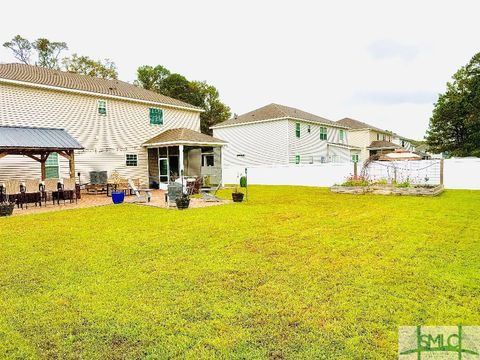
[[106, 138]]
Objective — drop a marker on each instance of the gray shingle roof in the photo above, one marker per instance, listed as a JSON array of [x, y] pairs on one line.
[[355, 124], [380, 144], [15, 137], [65, 80], [276, 111], [183, 135]]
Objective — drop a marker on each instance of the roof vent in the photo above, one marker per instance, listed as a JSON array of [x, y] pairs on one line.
[[235, 116]]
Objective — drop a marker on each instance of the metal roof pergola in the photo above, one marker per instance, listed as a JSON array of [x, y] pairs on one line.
[[37, 144]]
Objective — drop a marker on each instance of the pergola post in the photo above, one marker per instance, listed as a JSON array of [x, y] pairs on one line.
[[43, 159], [71, 164]]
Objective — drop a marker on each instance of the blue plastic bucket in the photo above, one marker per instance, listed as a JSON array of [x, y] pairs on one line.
[[118, 197]]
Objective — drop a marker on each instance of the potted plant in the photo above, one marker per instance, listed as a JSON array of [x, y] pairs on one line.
[[117, 196], [6, 208], [237, 196], [183, 201]]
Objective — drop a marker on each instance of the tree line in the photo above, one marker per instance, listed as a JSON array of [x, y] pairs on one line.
[[45, 53], [455, 123]]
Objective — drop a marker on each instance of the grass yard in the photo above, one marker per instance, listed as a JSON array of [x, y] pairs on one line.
[[294, 273]]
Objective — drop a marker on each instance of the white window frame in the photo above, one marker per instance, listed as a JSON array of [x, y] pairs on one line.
[[204, 159], [130, 160], [98, 107]]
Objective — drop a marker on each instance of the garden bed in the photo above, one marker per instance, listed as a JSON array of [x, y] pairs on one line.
[[389, 190]]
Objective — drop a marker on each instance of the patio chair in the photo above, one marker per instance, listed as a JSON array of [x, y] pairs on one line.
[[142, 195], [69, 190], [193, 187], [212, 198], [3, 196], [174, 190], [12, 192], [32, 192], [51, 186]]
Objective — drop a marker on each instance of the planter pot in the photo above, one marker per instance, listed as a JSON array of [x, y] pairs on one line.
[[118, 197], [237, 197], [6, 209], [182, 203]]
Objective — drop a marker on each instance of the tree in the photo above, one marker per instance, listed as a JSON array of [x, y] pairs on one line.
[[455, 122], [177, 86], [49, 52], [86, 66], [215, 110], [150, 78], [21, 48]]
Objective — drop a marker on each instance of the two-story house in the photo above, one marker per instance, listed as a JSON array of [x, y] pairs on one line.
[[370, 139], [278, 134], [122, 127]]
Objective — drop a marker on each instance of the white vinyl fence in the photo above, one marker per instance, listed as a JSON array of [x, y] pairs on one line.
[[459, 173]]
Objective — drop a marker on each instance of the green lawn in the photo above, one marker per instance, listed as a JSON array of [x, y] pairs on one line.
[[294, 273]]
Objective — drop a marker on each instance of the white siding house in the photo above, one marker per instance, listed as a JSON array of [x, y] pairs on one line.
[[372, 140], [280, 135], [111, 119]]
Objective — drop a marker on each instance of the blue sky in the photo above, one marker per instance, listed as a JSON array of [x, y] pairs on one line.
[[381, 62]]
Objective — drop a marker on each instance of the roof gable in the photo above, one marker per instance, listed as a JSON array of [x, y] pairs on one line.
[[273, 112], [359, 125], [37, 75], [182, 135]]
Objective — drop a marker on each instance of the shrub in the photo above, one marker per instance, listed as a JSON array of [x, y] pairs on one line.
[[356, 181]]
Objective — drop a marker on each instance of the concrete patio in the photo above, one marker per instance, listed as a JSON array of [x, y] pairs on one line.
[[89, 200]]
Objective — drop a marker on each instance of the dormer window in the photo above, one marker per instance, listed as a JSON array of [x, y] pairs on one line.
[[102, 107]]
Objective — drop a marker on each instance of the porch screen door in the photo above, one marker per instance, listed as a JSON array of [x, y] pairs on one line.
[[163, 170]]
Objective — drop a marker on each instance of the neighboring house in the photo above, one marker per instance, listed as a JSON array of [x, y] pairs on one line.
[[371, 139], [277, 134], [404, 142], [139, 133]]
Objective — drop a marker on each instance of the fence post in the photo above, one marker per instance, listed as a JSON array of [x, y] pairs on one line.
[[441, 171], [355, 169], [246, 185]]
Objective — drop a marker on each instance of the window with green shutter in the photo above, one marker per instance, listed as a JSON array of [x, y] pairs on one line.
[[102, 107], [323, 133], [297, 159], [156, 116], [342, 135], [51, 166], [297, 130], [355, 158]]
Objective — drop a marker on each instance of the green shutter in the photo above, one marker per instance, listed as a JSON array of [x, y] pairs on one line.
[[341, 135], [156, 116], [297, 130], [51, 166], [102, 107], [297, 159], [323, 133], [355, 158]]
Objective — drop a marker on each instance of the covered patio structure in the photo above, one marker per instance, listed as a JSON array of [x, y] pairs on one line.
[[183, 151], [382, 147], [37, 144]]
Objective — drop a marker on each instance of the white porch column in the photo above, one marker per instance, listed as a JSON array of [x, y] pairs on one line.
[[222, 183], [181, 165]]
